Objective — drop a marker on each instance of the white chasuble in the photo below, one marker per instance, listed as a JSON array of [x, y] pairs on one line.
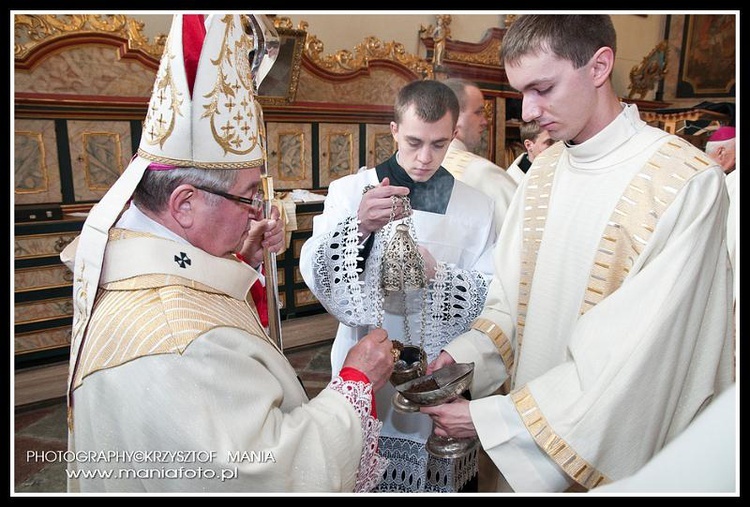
[[612, 290]]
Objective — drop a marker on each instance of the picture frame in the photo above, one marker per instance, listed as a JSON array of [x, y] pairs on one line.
[[280, 85], [707, 63]]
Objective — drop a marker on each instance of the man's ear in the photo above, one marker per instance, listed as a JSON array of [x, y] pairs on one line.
[[182, 205], [394, 129], [603, 64], [527, 144]]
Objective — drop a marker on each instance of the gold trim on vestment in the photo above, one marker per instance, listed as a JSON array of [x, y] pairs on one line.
[[634, 218], [537, 202], [130, 324], [501, 341], [628, 230], [158, 313], [558, 449]]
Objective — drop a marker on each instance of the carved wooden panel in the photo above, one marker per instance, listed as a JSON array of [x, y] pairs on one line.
[[298, 275], [36, 170], [45, 277], [290, 155], [39, 311], [303, 297], [305, 221], [42, 245], [380, 144], [339, 151], [37, 341], [99, 151]]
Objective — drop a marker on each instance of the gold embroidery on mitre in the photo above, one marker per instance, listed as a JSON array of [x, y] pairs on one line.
[[231, 108], [558, 449], [165, 103], [634, 219]]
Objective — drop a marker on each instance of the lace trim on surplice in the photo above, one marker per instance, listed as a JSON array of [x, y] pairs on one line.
[[371, 464], [412, 470], [453, 300]]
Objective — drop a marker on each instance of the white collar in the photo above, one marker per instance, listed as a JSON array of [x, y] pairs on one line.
[[133, 219]]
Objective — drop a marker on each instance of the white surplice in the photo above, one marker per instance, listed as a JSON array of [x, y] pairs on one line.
[[482, 174], [461, 240]]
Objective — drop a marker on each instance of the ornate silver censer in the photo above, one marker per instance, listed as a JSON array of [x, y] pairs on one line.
[[441, 386], [403, 270]]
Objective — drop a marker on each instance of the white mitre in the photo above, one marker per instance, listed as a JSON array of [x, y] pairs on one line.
[[214, 124]]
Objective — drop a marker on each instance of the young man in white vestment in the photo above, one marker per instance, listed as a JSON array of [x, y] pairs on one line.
[[610, 308], [174, 385], [461, 159], [453, 227]]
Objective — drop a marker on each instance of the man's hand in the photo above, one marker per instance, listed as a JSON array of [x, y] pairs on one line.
[[268, 233], [377, 207], [452, 419], [430, 264], [444, 359], [372, 356]]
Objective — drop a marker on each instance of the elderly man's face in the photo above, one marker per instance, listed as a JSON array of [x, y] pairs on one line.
[[222, 224]]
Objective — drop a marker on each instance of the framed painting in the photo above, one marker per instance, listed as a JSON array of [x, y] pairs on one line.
[[280, 85], [707, 65]]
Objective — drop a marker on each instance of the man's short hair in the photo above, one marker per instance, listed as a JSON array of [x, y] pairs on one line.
[[529, 130], [459, 86], [155, 187], [431, 100], [573, 38]]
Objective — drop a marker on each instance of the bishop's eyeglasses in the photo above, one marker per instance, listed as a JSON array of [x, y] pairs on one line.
[[255, 203]]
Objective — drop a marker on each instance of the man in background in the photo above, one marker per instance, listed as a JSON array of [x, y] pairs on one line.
[[721, 148], [535, 140], [461, 159]]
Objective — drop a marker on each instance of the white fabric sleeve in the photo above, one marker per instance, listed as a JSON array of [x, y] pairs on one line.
[[509, 444]]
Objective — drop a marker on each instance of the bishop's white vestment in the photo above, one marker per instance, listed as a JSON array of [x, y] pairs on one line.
[[179, 389]]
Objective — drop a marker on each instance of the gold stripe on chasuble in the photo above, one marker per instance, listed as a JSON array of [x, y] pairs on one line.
[[538, 190], [628, 230], [129, 324], [634, 218], [558, 449], [458, 160], [501, 341]]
